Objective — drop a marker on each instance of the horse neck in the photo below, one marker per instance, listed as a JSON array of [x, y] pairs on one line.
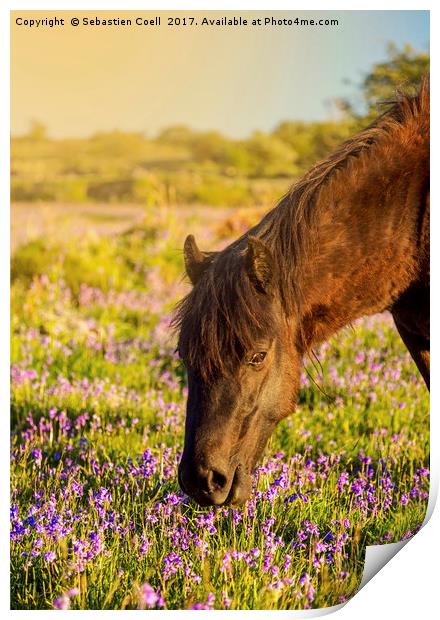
[[364, 251]]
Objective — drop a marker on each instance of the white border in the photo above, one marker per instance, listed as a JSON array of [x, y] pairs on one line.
[[408, 584]]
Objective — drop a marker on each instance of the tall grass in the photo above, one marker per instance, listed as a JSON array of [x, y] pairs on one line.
[[98, 402]]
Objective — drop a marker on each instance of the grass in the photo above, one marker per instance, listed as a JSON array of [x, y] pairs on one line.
[[98, 402]]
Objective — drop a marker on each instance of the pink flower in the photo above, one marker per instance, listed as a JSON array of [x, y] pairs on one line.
[[63, 602], [148, 597]]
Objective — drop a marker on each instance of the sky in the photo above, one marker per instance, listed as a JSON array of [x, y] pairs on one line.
[[81, 80]]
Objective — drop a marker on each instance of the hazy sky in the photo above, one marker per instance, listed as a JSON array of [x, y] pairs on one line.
[[234, 79]]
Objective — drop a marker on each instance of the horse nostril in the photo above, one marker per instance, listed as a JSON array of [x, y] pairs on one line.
[[217, 480]]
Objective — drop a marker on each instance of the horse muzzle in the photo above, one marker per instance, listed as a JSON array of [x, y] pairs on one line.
[[214, 485]]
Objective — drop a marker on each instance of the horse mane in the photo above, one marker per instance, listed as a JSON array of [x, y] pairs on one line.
[[223, 316], [288, 229]]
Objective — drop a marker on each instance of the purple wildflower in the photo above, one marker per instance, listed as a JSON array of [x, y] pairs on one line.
[[148, 597]]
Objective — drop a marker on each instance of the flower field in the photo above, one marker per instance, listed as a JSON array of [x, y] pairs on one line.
[[98, 406]]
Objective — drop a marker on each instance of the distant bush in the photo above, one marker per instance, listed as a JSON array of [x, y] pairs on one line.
[[239, 223], [119, 190], [61, 189], [34, 258], [115, 263]]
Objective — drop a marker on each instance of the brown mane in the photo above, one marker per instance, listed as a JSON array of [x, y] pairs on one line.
[[222, 317]]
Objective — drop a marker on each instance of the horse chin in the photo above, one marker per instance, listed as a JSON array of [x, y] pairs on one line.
[[241, 487]]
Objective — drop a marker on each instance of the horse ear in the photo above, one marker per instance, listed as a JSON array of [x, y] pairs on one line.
[[196, 262], [260, 264]]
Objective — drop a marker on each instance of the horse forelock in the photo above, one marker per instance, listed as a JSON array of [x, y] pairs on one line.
[[222, 318]]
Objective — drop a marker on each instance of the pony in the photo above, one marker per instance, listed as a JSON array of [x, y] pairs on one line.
[[350, 239]]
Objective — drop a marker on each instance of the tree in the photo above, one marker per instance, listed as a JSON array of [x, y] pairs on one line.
[[402, 71], [312, 141], [270, 156], [177, 135], [37, 131]]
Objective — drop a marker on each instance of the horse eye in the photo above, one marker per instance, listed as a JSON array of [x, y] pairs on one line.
[[257, 358]]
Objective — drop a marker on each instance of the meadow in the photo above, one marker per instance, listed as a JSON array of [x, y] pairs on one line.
[[98, 406]]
